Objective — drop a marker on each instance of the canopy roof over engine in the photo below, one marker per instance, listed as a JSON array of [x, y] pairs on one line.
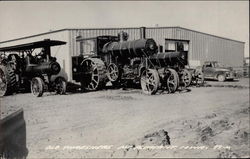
[[33, 45]]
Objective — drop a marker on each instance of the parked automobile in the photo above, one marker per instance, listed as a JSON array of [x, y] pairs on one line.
[[217, 71]]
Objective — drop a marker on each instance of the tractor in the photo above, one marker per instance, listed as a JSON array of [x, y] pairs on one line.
[[31, 67]]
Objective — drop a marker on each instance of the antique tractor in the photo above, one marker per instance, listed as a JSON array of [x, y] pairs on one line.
[[114, 59], [22, 69]]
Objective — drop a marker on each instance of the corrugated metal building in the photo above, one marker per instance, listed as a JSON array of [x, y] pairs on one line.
[[202, 46]]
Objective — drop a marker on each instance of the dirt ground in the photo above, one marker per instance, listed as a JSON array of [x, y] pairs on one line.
[[211, 121]]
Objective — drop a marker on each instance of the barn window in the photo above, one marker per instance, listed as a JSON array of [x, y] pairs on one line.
[[87, 47], [170, 46]]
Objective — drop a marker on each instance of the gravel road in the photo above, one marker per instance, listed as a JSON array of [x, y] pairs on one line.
[[200, 116]]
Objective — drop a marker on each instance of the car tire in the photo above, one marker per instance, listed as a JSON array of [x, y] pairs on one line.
[[221, 78]]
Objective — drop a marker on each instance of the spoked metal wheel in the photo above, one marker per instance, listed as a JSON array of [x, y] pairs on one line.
[[60, 85], [172, 80], [150, 81], [37, 86], [8, 81], [96, 74], [113, 72], [199, 78], [185, 78]]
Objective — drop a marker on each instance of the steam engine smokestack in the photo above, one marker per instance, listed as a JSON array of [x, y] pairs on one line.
[[143, 32]]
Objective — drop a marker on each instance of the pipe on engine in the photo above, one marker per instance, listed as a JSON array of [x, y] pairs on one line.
[[135, 48], [168, 58], [51, 68]]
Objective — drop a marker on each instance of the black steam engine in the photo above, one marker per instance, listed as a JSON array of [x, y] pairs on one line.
[[114, 59], [21, 69]]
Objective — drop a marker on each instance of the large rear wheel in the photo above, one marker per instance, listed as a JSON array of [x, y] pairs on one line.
[[8, 81], [95, 76], [150, 81]]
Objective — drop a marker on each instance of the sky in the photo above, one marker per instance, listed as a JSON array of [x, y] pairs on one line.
[[228, 19]]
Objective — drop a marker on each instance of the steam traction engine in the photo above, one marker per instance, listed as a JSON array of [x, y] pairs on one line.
[[21, 69], [111, 58]]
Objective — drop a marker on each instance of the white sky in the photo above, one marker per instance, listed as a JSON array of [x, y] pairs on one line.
[[226, 18]]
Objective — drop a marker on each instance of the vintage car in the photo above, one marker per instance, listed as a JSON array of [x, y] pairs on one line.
[[217, 71]]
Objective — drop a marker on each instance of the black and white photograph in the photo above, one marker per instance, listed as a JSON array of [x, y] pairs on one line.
[[124, 79]]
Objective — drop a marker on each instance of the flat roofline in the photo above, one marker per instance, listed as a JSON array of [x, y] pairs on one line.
[[103, 28], [26, 37], [197, 32], [117, 28], [212, 35]]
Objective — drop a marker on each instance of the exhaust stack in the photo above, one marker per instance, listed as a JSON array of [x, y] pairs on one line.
[[143, 32]]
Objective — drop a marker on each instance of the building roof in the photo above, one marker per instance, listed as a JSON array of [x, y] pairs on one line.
[[31, 36], [33, 45], [115, 29], [212, 35]]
